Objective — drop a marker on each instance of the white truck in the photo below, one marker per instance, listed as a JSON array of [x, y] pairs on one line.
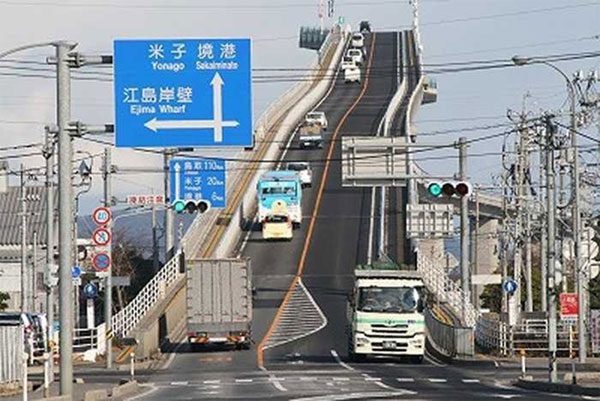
[[385, 313], [310, 135], [219, 302]]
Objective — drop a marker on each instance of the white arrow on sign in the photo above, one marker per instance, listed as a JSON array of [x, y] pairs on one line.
[[217, 123], [177, 180]]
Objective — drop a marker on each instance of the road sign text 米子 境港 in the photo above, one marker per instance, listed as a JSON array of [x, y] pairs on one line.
[[183, 92]]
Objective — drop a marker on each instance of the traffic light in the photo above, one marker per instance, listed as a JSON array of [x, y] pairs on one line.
[[191, 206], [449, 189]]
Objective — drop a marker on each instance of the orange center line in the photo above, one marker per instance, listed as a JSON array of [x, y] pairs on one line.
[[307, 241]]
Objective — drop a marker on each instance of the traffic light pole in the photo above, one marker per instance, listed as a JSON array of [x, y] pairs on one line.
[[169, 229], [464, 224]]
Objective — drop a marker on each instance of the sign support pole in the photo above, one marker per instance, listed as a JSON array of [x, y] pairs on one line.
[[108, 282]]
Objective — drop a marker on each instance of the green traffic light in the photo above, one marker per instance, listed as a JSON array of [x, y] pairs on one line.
[[434, 189], [179, 206]]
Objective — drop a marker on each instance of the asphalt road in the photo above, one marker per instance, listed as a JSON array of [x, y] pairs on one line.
[[313, 368]]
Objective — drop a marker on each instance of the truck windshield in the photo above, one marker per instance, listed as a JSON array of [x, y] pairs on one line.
[[388, 299], [279, 191]]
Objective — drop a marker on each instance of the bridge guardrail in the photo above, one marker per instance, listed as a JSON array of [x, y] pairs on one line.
[[11, 355], [125, 320], [450, 340], [446, 290]]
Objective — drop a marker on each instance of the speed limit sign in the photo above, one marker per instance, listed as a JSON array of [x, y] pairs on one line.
[[101, 215]]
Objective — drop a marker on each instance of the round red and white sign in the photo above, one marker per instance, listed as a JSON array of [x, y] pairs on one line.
[[101, 236], [101, 215]]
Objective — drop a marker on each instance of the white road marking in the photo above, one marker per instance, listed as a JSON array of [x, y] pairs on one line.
[[211, 381], [339, 361], [179, 383], [436, 380], [341, 379], [243, 380], [470, 380], [405, 379], [275, 378], [151, 390], [275, 384], [356, 396], [308, 379], [372, 379], [433, 361], [506, 396]]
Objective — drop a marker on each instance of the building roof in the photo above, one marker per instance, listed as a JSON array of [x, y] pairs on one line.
[[10, 214]]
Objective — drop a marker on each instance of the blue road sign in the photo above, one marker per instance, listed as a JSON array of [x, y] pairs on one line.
[[90, 290], [188, 92], [509, 286], [75, 271], [196, 179]]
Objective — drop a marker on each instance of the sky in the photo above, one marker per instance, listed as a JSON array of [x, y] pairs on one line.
[[451, 31]]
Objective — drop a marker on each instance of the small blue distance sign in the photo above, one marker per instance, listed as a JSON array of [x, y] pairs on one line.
[[198, 179], [183, 92], [90, 290], [75, 271]]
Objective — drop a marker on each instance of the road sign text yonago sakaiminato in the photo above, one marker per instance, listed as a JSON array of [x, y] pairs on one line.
[[188, 92]]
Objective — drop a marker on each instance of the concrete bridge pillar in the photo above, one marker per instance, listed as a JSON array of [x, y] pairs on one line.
[[485, 252]]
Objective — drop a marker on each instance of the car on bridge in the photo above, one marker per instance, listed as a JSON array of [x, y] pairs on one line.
[[316, 117], [352, 75], [277, 226], [358, 40], [304, 172], [356, 54], [347, 62], [365, 26]]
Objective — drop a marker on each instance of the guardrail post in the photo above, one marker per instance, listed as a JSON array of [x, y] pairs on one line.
[[46, 374], [523, 365], [132, 365], [25, 357]]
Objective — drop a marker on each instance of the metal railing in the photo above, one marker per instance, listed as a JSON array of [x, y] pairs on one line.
[[127, 319], [11, 354], [531, 335], [446, 290], [450, 340]]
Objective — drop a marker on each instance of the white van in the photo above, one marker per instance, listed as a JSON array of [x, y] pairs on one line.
[[358, 40], [352, 75], [356, 55]]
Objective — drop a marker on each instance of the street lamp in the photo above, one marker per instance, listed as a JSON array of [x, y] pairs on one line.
[[576, 224]]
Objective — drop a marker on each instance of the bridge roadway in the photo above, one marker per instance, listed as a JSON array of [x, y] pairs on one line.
[[330, 242]]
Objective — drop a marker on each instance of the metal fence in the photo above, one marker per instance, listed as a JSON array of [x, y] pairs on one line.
[[453, 341], [11, 354], [530, 335]]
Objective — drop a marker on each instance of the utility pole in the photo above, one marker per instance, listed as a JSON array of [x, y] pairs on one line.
[[551, 216], [155, 263], [543, 233], [65, 215], [518, 233], [581, 287], [34, 272], [108, 283], [464, 224], [169, 228], [24, 271], [49, 273], [526, 213]]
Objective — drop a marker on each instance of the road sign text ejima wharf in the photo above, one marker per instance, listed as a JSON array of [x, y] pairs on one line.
[[188, 92]]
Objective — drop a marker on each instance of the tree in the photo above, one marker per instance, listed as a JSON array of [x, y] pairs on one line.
[[4, 297]]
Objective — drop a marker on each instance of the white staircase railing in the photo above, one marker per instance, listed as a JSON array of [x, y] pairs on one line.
[[129, 317], [446, 290]]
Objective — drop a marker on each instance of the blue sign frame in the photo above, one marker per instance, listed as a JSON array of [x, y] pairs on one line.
[[183, 92], [90, 290], [198, 179]]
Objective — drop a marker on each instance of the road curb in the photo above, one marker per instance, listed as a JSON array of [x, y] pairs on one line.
[[560, 388], [125, 389]]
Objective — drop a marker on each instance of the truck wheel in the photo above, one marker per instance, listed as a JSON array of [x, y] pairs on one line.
[[358, 358]]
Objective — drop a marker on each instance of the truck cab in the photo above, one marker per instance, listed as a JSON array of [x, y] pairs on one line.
[[385, 313]]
